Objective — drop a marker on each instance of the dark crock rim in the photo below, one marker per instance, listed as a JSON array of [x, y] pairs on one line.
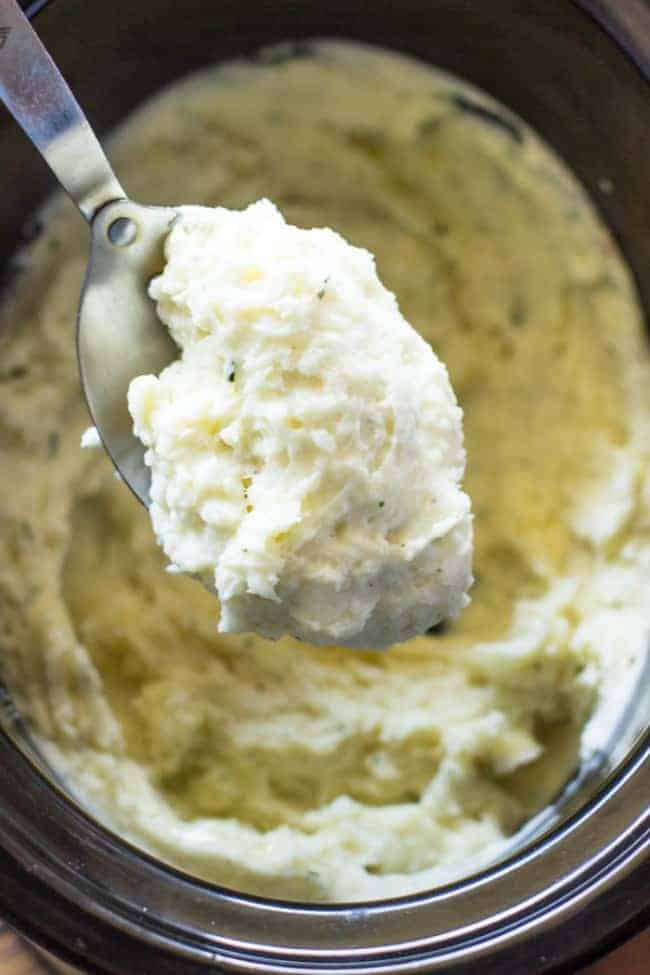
[[74, 888]]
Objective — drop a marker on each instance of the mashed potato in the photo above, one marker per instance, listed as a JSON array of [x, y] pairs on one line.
[[306, 449], [314, 772]]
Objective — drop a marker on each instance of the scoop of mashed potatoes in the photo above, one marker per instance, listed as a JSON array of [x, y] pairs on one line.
[[306, 450]]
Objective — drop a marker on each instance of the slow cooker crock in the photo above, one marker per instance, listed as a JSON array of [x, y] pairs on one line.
[[577, 879]]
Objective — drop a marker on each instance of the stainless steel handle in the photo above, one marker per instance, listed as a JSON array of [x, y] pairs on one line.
[[36, 94]]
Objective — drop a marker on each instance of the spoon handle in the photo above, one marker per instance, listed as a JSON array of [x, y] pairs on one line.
[[36, 94]]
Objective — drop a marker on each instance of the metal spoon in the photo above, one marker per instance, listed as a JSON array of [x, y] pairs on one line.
[[119, 335]]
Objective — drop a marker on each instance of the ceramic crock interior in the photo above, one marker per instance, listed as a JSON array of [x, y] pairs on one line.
[[549, 62]]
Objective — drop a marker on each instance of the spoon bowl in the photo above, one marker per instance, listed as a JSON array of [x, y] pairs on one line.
[[119, 335]]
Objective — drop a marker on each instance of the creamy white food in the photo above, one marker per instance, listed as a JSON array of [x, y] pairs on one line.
[[306, 449], [302, 771]]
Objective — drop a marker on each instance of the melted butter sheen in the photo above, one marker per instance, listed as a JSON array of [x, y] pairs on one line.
[[315, 772]]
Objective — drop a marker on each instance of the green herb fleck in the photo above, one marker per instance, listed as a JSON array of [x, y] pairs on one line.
[[486, 114], [381, 504], [53, 441], [371, 141], [428, 125], [321, 293], [232, 372], [17, 372], [518, 311]]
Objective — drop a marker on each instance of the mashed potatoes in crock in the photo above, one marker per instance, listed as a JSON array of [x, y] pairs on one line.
[[315, 772]]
